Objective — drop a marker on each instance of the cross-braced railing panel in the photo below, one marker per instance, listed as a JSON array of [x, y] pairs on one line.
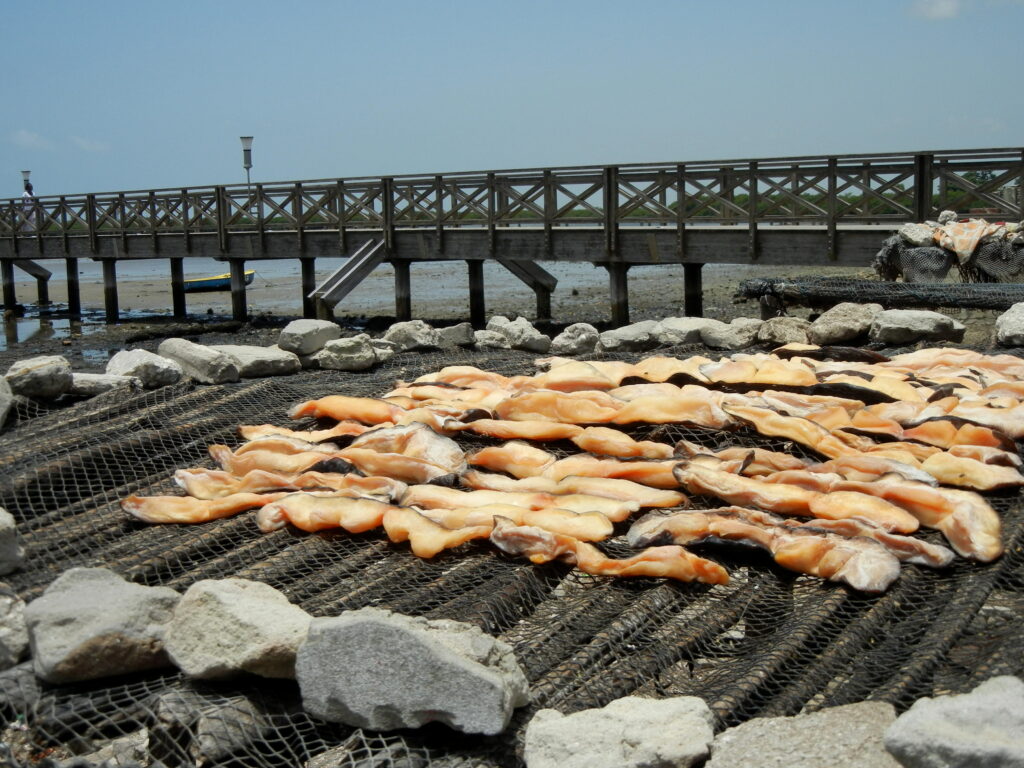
[[578, 200], [647, 197], [792, 194], [468, 203], [318, 207], [415, 203], [519, 200], [718, 197], [966, 186], [363, 205], [202, 211], [873, 192]]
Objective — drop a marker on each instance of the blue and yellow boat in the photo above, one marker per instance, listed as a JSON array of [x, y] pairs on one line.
[[215, 282]]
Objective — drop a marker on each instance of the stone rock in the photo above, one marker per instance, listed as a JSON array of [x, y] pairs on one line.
[[520, 334], [783, 330], [576, 339], [1009, 328], [680, 330], [12, 554], [375, 669], [900, 326], [843, 322], [254, 362], [212, 726], [980, 729], [920, 235], [740, 333], [491, 339], [383, 350], [460, 335], [355, 353], [92, 384], [947, 217], [122, 751], [202, 363], [636, 337], [223, 627], [304, 337], [152, 369], [44, 377], [91, 623], [13, 631], [631, 732], [413, 334], [849, 736], [6, 400]]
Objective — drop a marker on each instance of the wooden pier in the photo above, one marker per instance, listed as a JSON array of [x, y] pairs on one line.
[[833, 210]]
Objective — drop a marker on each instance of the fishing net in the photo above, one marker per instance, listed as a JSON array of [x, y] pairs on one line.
[[772, 642]]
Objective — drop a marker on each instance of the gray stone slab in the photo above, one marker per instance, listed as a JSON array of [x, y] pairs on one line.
[[841, 737], [492, 339], [740, 333], [681, 330], [980, 729], [637, 337], [255, 362], [202, 363], [355, 353], [783, 330], [152, 369], [224, 627], [304, 337], [91, 623], [1010, 326], [413, 334], [376, 669], [44, 377], [12, 554], [631, 732], [520, 333], [576, 339], [459, 335], [92, 384], [843, 322], [6, 400], [13, 631], [901, 326]]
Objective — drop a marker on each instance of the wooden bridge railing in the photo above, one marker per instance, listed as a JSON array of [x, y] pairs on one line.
[[828, 191]]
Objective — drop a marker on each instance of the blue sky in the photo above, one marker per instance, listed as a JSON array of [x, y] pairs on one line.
[[112, 95]]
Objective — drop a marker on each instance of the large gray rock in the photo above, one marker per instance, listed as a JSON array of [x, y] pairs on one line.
[[13, 631], [520, 334], [841, 737], [413, 334], [383, 350], [459, 335], [901, 326], [576, 339], [202, 363], [740, 333], [980, 729], [212, 726], [920, 235], [91, 623], [152, 369], [355, 353], [134, 747], [92, 384], [376, 669], [255, 362], [6, 400], [492, 339], [783, 330], [304, 337], [223, 627], [12, 554], [636, 337], [843, 322], [681, 330], [44, 377], [632, 732], [1009, 327]]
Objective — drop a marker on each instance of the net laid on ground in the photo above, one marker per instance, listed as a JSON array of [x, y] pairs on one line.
[[771, 642], [823, 292]]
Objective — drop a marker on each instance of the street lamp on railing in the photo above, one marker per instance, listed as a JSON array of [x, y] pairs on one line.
[[247, 164], [24, 178]]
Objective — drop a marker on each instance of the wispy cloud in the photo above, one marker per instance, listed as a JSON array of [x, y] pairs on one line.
[[937, 10], [30, 139], [90, 145]]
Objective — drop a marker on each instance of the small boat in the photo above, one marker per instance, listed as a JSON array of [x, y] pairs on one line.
[[215, 282]]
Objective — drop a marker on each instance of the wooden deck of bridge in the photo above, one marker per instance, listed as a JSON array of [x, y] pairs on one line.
[[806, 210]]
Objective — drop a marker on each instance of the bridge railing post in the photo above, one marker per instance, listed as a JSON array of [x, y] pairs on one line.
[[923, 180], [298, 214], [222, 218], [833, 207], [611, 211], [90, 220], [681, 212], [752, 210]]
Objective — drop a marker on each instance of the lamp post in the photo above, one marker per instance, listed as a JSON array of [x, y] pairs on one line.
[[247, 164], [24, 178]]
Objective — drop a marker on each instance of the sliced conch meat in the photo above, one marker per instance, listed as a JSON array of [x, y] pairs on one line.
[[341, 429], [516, 457], [426, 537], [319, 510], [185, 509], [605, 441], [215, 483]]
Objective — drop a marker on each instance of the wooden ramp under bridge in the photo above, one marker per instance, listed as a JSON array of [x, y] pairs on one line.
[[372, 254]]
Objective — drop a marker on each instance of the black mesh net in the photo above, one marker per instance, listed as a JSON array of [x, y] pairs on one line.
[[772, 642]]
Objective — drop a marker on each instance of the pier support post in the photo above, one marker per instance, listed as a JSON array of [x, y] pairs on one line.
[[74, 294], [619, 292], [178, 287], [403, 294], [309, 309], [477, 304], [693, 290], [239, 311], [7, 272], [110, 290]]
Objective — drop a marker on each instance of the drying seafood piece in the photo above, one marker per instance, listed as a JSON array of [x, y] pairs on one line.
[[1010, 421], [840, 503], [272, 461], [569, 377], [425, 537], [828, 352], [517, 458], [863, 467], [754, 461], [613, 370], [215, 483], [407, 469], [523, 430], [586, 526], [542, 546], [800, 430], [969, 473], [862, 563], [658, 369], [341, 429], [605, 441], [185, 509], [691, 404], [905, 548], [611, 488], [285, 444], [464, 376], [629, 392], [430, 496], [321, 510], [986, 455], [923, 360], [657, 474], [366, 410], [415, 441], [754, 370], [586, 407]]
